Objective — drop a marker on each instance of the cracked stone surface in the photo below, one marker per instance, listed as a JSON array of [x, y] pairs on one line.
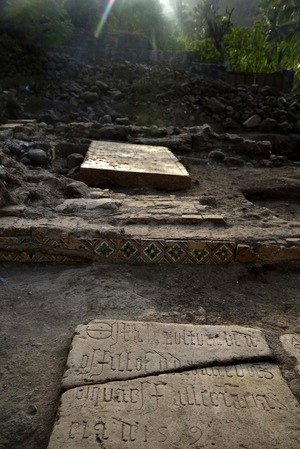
[[133, 165], [291, 344], [238, 406], [106, 350]]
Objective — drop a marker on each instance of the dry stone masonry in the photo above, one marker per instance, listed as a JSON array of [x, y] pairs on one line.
[[144, 385]]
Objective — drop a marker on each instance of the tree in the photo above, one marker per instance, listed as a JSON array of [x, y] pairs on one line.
[[214, 25], [282, 22]]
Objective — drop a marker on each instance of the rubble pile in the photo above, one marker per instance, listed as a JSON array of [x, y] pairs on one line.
[[65, 90], [26, 174]]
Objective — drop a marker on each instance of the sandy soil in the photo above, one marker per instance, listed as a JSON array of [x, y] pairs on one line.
[[40, 307]]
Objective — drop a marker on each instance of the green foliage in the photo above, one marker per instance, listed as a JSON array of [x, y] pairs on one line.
[[42, 22], [248, 49], [205, 50]]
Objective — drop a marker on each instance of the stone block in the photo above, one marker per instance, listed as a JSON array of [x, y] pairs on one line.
[[133, 165]]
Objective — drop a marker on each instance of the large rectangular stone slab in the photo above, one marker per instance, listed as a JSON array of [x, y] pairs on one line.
[[233, 407], [128, 165], [106, 350]]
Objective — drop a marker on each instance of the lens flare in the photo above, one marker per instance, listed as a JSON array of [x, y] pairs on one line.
[[104, 18]]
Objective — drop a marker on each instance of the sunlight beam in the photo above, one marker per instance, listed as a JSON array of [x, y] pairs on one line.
[[104, 18]]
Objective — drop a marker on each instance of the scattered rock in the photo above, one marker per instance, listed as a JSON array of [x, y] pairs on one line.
[[90, 97], [215, 105], [252, 122], [122, 121], [285, 127], [74, 160], [216, 155], [76, 189], [268, 125], [101, 85], [234, 162], [37, 156], [105, 119]]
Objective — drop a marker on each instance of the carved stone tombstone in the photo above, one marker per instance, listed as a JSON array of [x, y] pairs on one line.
[[173, 386]]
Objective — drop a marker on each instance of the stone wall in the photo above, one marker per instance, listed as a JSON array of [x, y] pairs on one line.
[[215, 71]]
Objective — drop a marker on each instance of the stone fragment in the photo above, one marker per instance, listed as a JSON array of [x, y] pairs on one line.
[[291, 344], [133, 165], [106, 350], [228, 407], [252, 122]]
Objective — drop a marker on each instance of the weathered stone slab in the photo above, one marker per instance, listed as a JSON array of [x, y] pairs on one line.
[[291, 343], [243, 406], [105, 350], [133, 165]]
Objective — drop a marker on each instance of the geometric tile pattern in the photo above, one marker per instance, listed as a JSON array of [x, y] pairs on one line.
[[74, 249]]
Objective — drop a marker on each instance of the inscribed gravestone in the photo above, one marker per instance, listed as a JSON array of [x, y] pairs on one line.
[[105, 350], [228, 407]]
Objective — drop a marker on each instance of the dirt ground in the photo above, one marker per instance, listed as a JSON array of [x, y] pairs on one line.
[[41, 306]]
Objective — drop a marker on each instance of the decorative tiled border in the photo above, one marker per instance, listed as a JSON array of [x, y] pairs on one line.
[[65, 249], [39, 246]]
